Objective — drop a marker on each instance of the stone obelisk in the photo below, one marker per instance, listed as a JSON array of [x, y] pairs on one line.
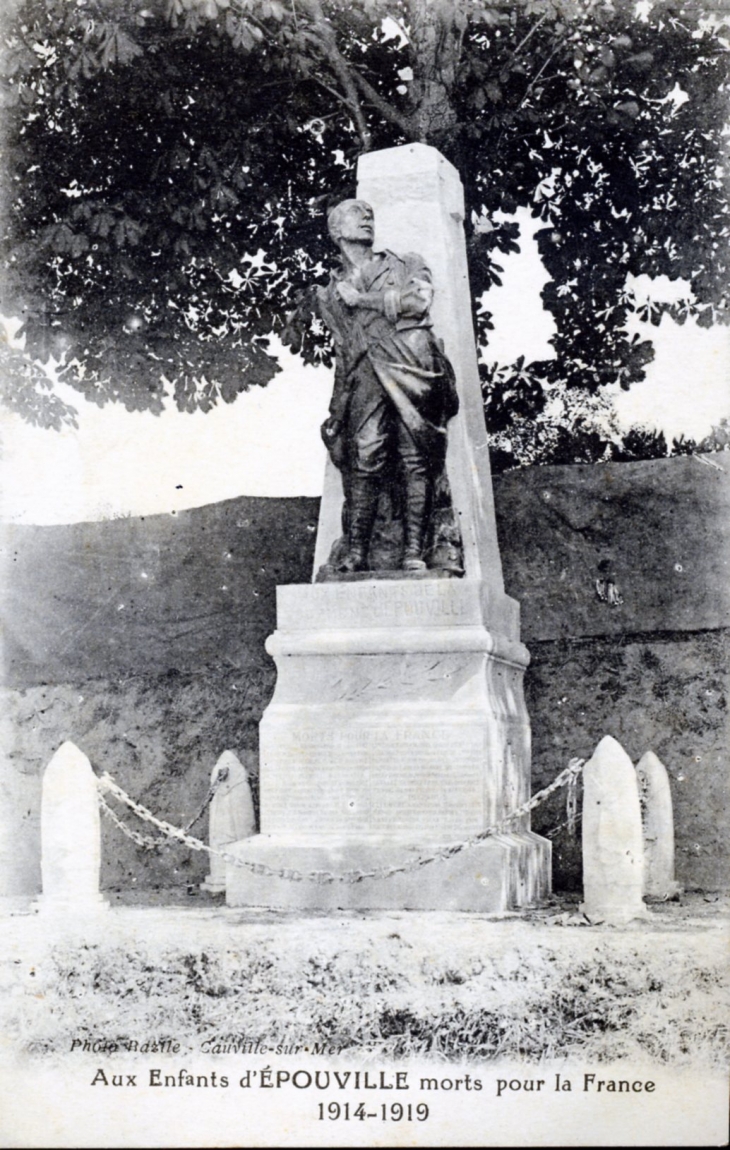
[[398, 723]]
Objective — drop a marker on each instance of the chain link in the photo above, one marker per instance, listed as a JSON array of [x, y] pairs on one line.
[[148, 842], [216, 782], [569, 825], [571, 805], [107, 784]]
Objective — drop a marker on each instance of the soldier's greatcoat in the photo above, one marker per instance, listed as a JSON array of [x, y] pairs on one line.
[[389, 354]]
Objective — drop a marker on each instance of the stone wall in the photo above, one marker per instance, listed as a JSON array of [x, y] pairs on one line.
[[152, 594], [142, 640], [660, 531], [650, 670]]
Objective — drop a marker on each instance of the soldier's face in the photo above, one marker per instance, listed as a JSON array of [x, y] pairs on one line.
[[356, 222]]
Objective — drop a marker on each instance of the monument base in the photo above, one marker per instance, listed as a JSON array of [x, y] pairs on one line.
[[398, 727], [503, 872]]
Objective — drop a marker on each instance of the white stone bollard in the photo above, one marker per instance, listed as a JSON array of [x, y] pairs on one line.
[[231, 816], [613, 853], [658, 823], [70, 836]]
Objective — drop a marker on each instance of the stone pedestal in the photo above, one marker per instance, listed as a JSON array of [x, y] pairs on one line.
[[398, 723]]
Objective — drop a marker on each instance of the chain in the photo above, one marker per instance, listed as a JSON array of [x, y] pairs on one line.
[[571, 805], [106, 783], [215, 783], [149, 842], [568, 824]]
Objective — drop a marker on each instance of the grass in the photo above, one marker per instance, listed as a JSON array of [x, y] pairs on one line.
[[396, 985]]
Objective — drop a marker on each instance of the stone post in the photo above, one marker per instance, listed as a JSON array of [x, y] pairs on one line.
[[231, 815], [613, 854], [70, 835], [658, 824]]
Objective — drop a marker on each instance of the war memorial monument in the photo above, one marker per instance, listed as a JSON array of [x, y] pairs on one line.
[[398, 724]]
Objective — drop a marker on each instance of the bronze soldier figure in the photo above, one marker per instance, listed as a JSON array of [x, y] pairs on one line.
[[394, 386]]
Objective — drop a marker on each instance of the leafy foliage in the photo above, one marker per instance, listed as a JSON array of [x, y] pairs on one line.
[[171, 162], [26, 389]]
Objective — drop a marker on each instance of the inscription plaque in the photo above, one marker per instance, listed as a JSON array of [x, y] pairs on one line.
[[373, 780], [434, 602]]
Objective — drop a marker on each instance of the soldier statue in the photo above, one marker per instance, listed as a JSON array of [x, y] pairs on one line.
[[394, 393]]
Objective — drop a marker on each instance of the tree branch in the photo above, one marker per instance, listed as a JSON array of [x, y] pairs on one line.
[[351, 81], [525, 38], [340, 68], [338, 96], [322, 34], [386, 109], [561, 44]]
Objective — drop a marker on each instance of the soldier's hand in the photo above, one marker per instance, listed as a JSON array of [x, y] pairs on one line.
[[347, 293]]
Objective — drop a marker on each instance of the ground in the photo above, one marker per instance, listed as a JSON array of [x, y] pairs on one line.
[[536, 986]]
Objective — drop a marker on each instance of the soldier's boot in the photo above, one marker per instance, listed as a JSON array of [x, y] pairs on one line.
[[416, 512], [364, 490]]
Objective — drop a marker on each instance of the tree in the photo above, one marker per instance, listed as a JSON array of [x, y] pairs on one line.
[[170, 163]]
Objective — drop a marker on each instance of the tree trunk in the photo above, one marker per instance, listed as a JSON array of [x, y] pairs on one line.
[[435, 34]]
